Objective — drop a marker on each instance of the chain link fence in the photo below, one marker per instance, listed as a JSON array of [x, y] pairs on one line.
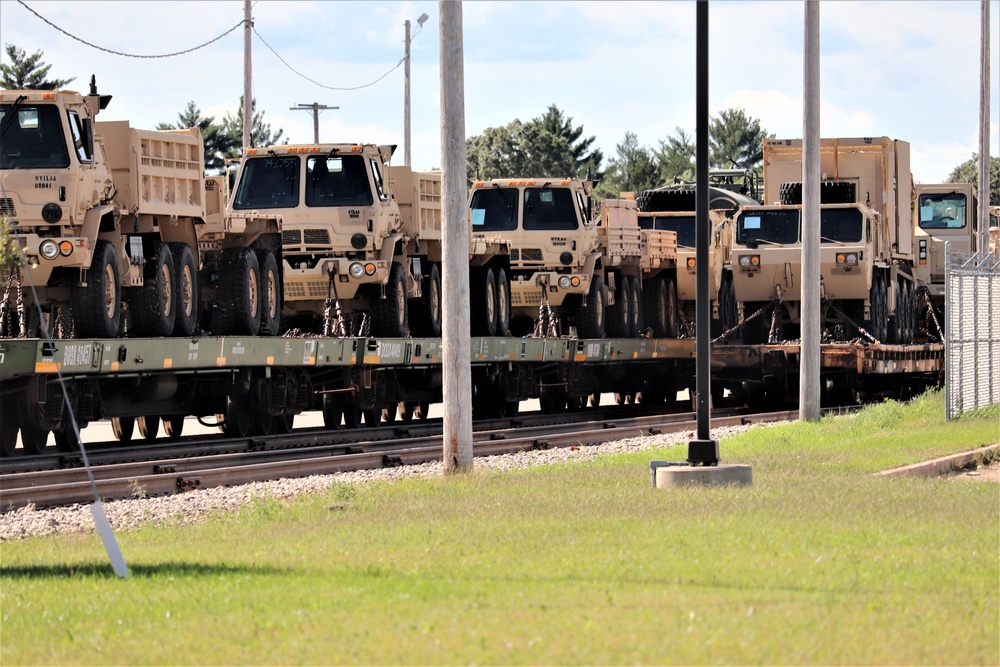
[[972, 333]]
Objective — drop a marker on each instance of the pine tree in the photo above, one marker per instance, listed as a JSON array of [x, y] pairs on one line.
[[27, 72]]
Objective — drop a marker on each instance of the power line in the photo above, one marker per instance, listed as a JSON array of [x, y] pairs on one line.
[[401, 60], [119, 53]]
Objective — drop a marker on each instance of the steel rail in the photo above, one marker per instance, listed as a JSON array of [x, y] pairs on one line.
[[116, 481]]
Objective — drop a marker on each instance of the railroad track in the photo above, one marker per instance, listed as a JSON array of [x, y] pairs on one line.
[[180, 468]]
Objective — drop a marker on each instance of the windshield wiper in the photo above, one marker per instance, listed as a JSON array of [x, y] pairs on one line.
[[510, 205], [288, 175], [8, 118], [829, 240], [538, 197], [757, 242]]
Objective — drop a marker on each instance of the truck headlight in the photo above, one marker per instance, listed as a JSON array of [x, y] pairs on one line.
[[852, 258], [564, 281], [48, 249], [745, 261], [356, 270]]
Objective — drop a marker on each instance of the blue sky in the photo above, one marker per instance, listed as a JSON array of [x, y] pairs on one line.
[[909, 70]]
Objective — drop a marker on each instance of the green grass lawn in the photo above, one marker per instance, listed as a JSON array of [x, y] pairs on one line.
[[818, 562]]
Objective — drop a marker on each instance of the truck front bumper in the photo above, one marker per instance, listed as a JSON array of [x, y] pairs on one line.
[[347, 277]]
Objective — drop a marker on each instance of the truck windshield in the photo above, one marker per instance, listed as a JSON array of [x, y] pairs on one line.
[[494, 209], [942, 211], [684, 225], [780, 226], [337, 181], [32, 138], [549, 208], [841, 224], [268, 182]]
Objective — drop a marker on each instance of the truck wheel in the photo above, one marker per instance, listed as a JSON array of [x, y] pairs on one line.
[[635, 318], [239, 292], [837, 192], [97, 308], [790, 194], [656, 306], [270, 283], [188, 290], [389, 315], [333, 411], [483, 305], [727, 302], [425, 319], [503, 303], [590, 319], [122, 428], [153, 305], [878, 324], [618, 313]]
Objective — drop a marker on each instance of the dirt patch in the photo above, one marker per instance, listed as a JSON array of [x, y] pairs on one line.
[[987, 473]]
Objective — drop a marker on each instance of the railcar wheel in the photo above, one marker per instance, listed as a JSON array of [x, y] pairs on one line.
[[97, 307], [421, 410], [34, 440], [239, 292], [389, 414], [236, 418], [173, 426], [372, 417], [149, 426], [154, 305], [8, 424], [353, 415], [405, 409], [66, 440], [503, 303], [285, 423], [187, 289], [591, 318], [270, 293], [123, 428], [333, 411], [389, 315]]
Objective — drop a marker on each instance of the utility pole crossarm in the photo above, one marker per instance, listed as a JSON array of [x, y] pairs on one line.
[[315, 107]]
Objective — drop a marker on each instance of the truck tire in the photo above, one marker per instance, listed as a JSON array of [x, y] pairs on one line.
[[655, 297], [239, 292], [618, 312], [591, 318], [727, 303], [636, 321], [425, 318], [154, 305], [503, 303], [483, 303], [830, 192], [271, 294], [188, 290], [97, 307], [790, 194], [903, 321], [389, 315], [878, 322], [665, 199]]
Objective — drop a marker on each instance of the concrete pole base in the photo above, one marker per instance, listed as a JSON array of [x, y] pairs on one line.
[[720, 475]]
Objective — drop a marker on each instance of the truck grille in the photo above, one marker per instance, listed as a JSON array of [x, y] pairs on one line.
[[531, 255], [317, 237], [291, 237], [7, 207]]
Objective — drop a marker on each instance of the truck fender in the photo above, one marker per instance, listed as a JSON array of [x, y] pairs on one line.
[[92, 221], [388, 249]]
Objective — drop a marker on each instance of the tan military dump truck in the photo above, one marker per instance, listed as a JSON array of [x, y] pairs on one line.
[[866, 252], [104, 214], [589, 274], [673, 208], [354, 232]]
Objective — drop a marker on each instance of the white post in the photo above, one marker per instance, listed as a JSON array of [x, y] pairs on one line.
[[455, 346], [809, 377], [247, 76]]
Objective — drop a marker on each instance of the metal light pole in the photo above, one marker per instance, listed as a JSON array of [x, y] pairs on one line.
[[809, 378], [406, 100], [984, 129], [315, 107]]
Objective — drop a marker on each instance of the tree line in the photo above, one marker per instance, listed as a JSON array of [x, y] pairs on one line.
[[547, 145]]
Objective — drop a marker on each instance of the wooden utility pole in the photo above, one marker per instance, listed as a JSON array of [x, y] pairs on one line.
[[809, 365], [315, 107], [247, 76], [455, 345], [406, 92]]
